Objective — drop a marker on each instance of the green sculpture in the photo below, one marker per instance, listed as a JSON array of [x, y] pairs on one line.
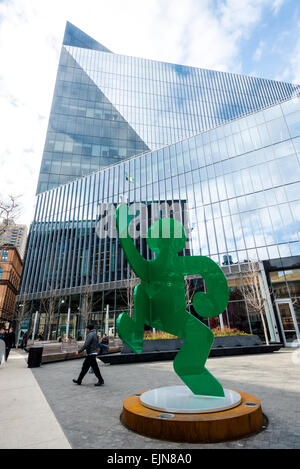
[[159, 300]]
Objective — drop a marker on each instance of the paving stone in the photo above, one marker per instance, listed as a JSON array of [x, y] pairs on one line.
[[27, 420], [90, 417]]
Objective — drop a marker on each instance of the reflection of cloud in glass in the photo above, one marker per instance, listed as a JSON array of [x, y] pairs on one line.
[[175, 101]]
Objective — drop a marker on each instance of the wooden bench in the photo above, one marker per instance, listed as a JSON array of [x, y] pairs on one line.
[[114, 346], [54, 351]]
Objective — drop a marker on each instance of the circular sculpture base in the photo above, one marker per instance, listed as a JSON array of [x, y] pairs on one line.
[[212, 427], [181, 400]]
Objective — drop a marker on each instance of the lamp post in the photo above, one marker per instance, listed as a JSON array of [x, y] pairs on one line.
[[61, 328], [68, 322], [34, 324], [107, 319], [221, 322]]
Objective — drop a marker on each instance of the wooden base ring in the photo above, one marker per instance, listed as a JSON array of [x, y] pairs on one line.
[[231, 424]]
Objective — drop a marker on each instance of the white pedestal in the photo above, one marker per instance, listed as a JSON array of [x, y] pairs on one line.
[[181, 400]]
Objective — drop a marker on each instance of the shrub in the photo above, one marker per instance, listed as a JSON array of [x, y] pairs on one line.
[[148, 335], [227, 331], [218, 332]]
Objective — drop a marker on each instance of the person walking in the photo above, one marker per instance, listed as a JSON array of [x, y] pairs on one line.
[[91, 347], [2, 345], [10, 341], [2, 333], [6, 339], [24, 340]]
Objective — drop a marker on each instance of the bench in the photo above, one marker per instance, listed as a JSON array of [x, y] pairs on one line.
[[54, 351], [114, 346]]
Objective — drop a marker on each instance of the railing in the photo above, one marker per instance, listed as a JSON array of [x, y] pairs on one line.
[[228, 270]]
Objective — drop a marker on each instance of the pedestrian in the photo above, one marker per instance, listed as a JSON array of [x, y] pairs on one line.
[[99, 351], [2, 345], [2, 333], [11, 340], [91, 347], [105, 339], [104, 344], [6, 339], [24, 339]]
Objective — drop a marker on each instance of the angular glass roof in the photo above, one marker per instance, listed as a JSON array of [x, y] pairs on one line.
[[77, 38]]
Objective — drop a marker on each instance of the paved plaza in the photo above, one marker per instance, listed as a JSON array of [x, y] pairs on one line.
[[50, 411], [27, 421]]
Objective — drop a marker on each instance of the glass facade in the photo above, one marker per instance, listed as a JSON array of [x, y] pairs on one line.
[[236, 188], [108, 107], [218, 151]]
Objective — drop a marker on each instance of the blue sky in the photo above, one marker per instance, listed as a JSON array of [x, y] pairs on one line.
[[258, 37], [273, 44]]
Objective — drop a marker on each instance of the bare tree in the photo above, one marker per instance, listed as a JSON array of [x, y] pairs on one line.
[[9, 211], [49, 306], [20, 314], [128, 294], [86, 305], [190, 291], [252, 294]]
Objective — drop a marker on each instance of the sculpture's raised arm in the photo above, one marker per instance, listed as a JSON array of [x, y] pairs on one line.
[[137, 262], [214, 301]]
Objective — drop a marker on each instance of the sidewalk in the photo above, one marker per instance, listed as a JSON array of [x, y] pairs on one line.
[[27, 420], [43, 408], [90, 416]]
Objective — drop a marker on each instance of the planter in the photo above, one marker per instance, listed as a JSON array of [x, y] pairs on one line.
[[165, 345], [237, 341], [166, 349], [157, 345]]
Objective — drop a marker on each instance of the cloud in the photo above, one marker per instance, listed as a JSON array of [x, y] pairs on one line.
[[277, 4], [201, 33], [258, 52], [294, 68], [291, 68]]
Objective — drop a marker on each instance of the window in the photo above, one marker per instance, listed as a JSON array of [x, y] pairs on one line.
[[278, 130], [293, 123], [4, 255]]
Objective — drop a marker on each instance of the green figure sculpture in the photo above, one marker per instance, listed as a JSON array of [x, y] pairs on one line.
[[160, 302]]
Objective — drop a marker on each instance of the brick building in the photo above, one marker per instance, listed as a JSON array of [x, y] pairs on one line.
[[10, 273], [14, 235]]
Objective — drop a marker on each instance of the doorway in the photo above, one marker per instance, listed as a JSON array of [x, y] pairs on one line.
[[288, 322]]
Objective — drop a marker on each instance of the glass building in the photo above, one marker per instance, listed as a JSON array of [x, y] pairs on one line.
[[217, 151], [108, 107]]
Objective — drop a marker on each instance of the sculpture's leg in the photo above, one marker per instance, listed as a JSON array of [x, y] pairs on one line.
[[131, 331], [190, 361]]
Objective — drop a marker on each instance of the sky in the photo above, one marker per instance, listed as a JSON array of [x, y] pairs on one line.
[[253, 37]]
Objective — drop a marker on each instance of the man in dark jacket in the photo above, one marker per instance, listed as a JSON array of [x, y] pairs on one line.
[[10, 341], [91, 346], [2, 333]]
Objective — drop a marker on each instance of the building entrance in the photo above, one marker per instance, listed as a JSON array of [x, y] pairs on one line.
[[289, 321]]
